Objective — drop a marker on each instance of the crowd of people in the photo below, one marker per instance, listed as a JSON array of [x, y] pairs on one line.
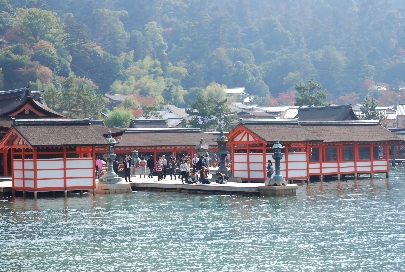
[[185, 169], [188, 170]]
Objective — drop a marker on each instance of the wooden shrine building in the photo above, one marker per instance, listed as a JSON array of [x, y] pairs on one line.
[[172, 142], [20, 104], [52, 155], [323, 148]]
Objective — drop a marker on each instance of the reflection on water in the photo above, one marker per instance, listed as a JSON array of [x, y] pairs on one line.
[[329, 226]]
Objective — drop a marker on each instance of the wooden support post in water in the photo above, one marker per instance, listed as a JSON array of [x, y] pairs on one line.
[[35, 194]]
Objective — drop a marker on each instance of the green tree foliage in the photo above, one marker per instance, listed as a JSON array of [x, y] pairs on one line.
[[111, 34], [171, 50], [119, 118], [75, 99], [130, 103], [369, 110], [154, 41], [210, 114], [35, 24], [311, 94], [151, 111], [11, 60], [48, 58]]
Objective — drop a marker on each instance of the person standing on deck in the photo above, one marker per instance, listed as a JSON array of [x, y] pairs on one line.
[[99, 167], [127, 168], [194, 162], [172, 168], [215, 159], [151, 165], [142, 164], [164, 167], [270, 171], [159, 168], [116, 165], [184, 169]]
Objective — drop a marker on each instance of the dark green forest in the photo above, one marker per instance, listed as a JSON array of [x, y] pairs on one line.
[[171, 50]]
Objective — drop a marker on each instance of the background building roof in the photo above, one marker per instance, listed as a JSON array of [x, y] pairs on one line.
[[327, 113], [59, 132], [164, 137]]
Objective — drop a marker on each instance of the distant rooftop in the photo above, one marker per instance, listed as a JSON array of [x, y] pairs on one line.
[[326, 113], [235, 90]]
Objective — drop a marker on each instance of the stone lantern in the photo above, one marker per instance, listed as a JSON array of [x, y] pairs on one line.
[[277, 178], [277, 185], [222, 152], [110, 176], [201, 148]]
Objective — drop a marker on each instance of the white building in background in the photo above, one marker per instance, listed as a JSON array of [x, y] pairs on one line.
[[236, 94]]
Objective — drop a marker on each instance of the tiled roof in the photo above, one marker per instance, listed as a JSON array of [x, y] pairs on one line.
[[116, 97], [148, 123], [10, 96], [353, 133], [28, 100], [328, 113], [178, 111], [164, 138], [283, 132], [6, 123], [326, 131], [105, 130], [59, 133]]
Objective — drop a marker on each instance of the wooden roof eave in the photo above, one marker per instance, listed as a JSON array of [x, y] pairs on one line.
[[241, 129], [13, 135]]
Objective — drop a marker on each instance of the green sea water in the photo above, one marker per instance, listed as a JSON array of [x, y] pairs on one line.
[[330, 226]]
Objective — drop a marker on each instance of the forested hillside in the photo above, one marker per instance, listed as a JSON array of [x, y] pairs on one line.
[[172, 49]]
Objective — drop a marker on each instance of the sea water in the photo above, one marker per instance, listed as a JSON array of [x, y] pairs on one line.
[[329, 226]]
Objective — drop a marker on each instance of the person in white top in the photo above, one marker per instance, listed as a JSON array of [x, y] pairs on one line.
[[164, 166], [194, 162], [184, 169]]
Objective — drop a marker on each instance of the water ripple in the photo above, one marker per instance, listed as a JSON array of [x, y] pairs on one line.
[[331, 226]]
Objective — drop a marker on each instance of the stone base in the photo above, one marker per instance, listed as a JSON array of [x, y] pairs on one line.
[[232, 179], [289, 190], [110, 179], [117, 188]]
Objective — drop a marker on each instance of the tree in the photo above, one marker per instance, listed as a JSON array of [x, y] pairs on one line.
[[154, 41], [369, 111], [75, 99], [215, 91], [110, 33], [130, 103], [210, 114], [36, 24], [311, 95], [151, 110], [119, 118]]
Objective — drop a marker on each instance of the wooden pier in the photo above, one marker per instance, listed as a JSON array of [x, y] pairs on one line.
[[151, 184]]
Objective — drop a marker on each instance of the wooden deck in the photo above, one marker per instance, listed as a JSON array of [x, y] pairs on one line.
[[167, 185]]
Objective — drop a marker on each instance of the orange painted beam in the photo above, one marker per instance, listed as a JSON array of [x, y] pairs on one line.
[[35, 157]]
